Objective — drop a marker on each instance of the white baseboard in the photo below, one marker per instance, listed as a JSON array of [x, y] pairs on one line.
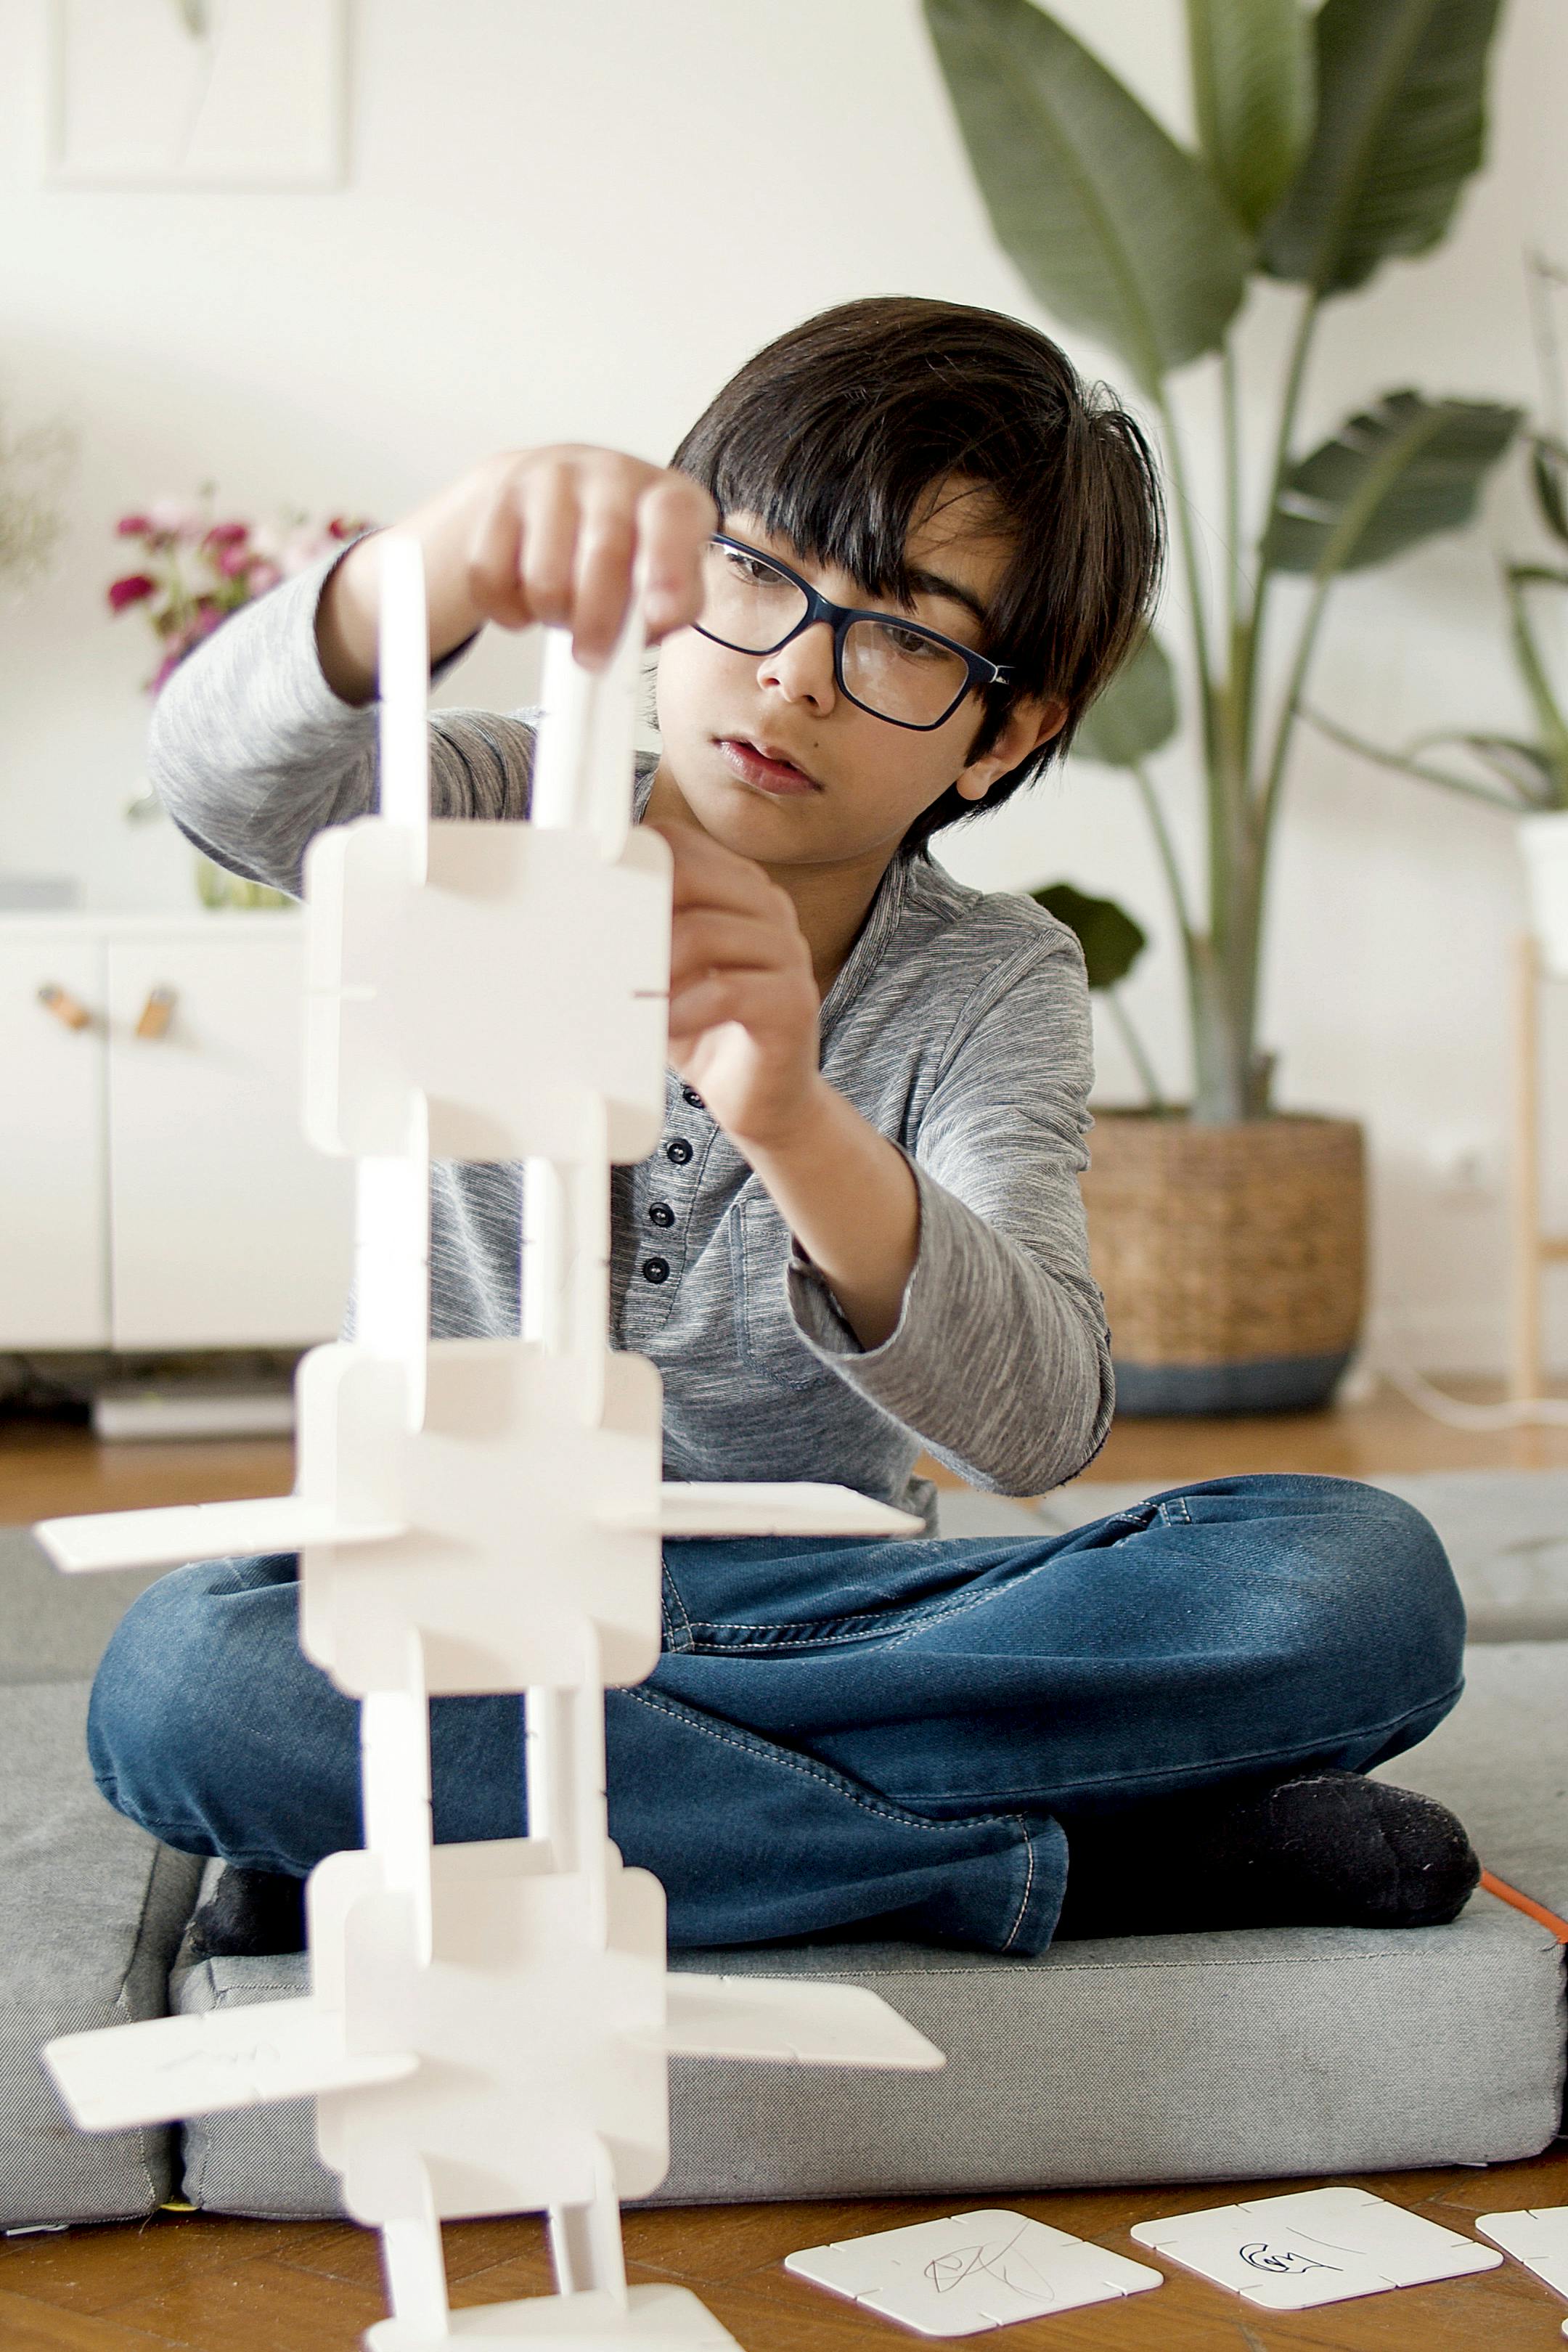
[[131, 1415]]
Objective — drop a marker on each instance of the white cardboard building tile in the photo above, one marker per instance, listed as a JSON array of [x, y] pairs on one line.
[[1536, 2236], [972, 2272], [489, 2026], [182, 2066], [1314, 2246]]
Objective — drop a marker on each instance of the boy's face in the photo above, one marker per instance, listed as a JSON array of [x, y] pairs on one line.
[[866, 780]]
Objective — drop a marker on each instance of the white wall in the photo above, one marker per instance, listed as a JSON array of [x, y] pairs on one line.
[[575, 223]]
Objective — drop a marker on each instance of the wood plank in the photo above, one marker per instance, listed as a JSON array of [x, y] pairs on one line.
[[93, 2269], [29, 2326], [48, 1472], [351, 2255], [262, 2306]]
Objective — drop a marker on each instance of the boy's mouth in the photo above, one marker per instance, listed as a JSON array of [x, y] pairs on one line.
[[766, 766]]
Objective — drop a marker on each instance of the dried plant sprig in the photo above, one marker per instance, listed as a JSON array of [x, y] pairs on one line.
[[33, 465]]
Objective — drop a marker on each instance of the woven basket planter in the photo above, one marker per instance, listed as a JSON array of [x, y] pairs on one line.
[[1232, 1259]]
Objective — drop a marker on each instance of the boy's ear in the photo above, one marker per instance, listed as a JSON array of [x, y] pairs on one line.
[[1028, 724]]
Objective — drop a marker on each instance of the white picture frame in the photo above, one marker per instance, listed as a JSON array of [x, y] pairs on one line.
[[168, 94]]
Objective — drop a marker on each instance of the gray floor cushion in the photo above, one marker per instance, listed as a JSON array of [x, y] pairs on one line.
[[1158, 2058], [91, 1911]]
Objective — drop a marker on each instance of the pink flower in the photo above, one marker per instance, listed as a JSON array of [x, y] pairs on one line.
[[132, 525], [261, 576], [232, 560], [227, 534], [131, 590]]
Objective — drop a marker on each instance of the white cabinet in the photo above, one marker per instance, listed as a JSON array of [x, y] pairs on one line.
[[54, 1259], [158, 1191]]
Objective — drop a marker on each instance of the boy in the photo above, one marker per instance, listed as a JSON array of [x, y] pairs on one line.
[[891, 567]]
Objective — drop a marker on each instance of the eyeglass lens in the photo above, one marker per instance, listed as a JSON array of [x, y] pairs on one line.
[[893, 671]]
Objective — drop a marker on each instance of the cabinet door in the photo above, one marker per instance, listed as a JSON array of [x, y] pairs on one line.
[[53, 1284], [227, 1229]]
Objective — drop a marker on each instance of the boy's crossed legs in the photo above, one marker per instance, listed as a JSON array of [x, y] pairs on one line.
[[1177, 1700]]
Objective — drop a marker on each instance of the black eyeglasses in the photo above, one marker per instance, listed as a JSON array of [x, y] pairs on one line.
[[898, 670]]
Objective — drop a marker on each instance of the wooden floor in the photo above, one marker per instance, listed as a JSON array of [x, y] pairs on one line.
[[206, 2285]]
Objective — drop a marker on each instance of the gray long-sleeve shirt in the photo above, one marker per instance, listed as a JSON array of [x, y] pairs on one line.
[[959, 1026]]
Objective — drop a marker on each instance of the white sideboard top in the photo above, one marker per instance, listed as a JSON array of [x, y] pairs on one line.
[[217, 923]]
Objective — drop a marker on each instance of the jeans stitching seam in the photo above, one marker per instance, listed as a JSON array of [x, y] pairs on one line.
[[671, 1592], [1028, 1883], [822, 1640], [768, 1752]]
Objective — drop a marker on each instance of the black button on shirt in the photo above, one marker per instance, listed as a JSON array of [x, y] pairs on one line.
[[655, 1270], [689, 1093], [660, 1213], [679, 1152]]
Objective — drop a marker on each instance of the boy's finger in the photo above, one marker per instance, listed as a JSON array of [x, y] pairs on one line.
[[493, 558], [607, 545], [723, 881], [676, 520], [712, 939], [550, 523]]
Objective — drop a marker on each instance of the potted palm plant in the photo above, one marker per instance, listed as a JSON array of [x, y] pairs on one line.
[[1230, 1241]]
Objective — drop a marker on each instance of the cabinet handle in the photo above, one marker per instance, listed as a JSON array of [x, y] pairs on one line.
[[156, 1013], [65, 1006]]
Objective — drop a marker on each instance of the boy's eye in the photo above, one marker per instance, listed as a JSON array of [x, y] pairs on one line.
[[909, 643], [750, 568]]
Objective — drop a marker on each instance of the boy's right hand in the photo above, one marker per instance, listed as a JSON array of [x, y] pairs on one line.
[[547, 535]]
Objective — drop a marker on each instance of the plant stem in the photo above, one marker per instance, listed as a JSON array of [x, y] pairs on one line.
[[1188, 543], [1134, 1044], [1165, 844], [1537, 683], [1274, 775], [1295, 376], [1221, 817], [1231, 390]]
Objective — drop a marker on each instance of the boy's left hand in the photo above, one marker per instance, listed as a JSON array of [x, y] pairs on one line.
[[744, 1000]]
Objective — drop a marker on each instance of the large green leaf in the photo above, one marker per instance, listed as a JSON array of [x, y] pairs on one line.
[[1253, 73], [1389, 478], [1401, 126], [1117, 229], [1111, 941], [1135, 714]]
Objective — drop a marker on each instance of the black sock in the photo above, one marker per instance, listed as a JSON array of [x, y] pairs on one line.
[[252, 1915], [1318, 1850]]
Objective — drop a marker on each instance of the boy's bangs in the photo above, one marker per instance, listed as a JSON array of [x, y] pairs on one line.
[[841, 499]]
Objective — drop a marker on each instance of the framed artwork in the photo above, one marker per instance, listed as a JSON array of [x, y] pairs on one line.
[[197, 94]]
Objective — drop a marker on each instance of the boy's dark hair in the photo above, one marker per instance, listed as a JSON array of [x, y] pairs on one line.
[[835, 434]]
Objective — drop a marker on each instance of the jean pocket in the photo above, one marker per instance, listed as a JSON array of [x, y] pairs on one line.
[[769, 1341]]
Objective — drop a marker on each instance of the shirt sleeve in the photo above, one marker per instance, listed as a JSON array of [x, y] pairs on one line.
[[1000, 1361], [253, 754]]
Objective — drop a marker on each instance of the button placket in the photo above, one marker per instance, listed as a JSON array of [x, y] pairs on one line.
[[656, 1271], [678, 1152]]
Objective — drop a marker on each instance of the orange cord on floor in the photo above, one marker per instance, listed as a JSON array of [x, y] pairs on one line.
[[1528, 1905]]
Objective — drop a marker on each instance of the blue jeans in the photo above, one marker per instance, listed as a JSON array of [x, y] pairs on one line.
[[848, 1731]]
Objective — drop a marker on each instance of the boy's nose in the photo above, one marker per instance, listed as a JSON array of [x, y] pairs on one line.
[[803, 670]]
